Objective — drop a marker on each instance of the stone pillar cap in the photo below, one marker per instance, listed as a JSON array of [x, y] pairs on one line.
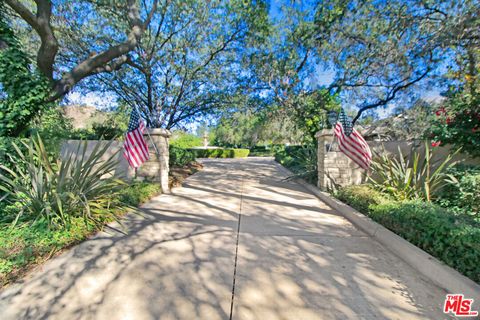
[[324, 132], [159, 132]]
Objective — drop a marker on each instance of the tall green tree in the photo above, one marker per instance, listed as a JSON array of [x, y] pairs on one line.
[[190, 60], [53, 22], [382, 49], [310, 111], [24, 90]]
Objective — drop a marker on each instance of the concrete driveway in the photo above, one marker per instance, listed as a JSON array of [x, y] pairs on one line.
[[236, 242]]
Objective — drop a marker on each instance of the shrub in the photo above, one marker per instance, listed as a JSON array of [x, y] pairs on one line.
[[457, 122], [408, 179], [138, 193], [266, 151], [180, 156], [463, 195], [56, 191], [361, 197], [185, 140], [240, 153], [221, 153], [454, 241]]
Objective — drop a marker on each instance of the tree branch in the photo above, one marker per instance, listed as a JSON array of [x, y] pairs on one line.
[[23, 12], [41, 24], [391, 95], [94, 63]]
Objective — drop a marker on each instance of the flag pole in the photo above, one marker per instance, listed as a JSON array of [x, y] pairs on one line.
[[334, 136], [331, 144], [148, 133]]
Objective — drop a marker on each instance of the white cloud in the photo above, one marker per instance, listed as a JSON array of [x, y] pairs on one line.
[[99, 100]]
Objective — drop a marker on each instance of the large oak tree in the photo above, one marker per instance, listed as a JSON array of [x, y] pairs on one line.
[[51, 21], [191, 60]]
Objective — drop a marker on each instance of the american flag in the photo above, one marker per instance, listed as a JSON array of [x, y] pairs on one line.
[[136, 148], [351, 142]]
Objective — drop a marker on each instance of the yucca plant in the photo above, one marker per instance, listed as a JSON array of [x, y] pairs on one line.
[[304, 163], [414, 177], [80, 185]]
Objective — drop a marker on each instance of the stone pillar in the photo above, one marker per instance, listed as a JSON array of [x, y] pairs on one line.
[[334, 167], [156, 168]]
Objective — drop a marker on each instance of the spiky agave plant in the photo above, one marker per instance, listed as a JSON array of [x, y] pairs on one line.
[[80, 185], [414, 177], [304, 163]]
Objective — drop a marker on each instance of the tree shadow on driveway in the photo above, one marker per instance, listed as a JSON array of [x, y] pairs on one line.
[[297, 259]]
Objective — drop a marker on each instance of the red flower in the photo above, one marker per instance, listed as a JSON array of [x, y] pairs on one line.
[[449, 120], [440, 111], [475, 129], [436, 143]]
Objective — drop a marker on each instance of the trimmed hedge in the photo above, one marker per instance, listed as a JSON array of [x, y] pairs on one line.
[[138, 193], [361, 197], [435, 230], [453, 239], [180, 156], [266, 151], [221, 153]]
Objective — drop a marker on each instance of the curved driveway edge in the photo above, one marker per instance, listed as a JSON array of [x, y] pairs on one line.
[[430, 267]]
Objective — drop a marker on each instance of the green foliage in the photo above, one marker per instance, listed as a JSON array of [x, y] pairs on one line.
[[56, 191], [7, 149], [180, 156], [242, 128], [138, 193], [310, 111], [463, 195], [416, 177], [53, 127], [249, 127], [266, 150], [33, 242], [361, 197], [221, 153], [302, 160], [115, 125], [435, 230], [106, 126], [30, 243], [239, 153], [185, 140], [24, 91], [454, 240], [458, 122], [50, 125]]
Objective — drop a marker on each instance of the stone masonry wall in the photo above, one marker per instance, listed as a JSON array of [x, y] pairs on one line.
[[156, 168], [336, 169], [122, 170]]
